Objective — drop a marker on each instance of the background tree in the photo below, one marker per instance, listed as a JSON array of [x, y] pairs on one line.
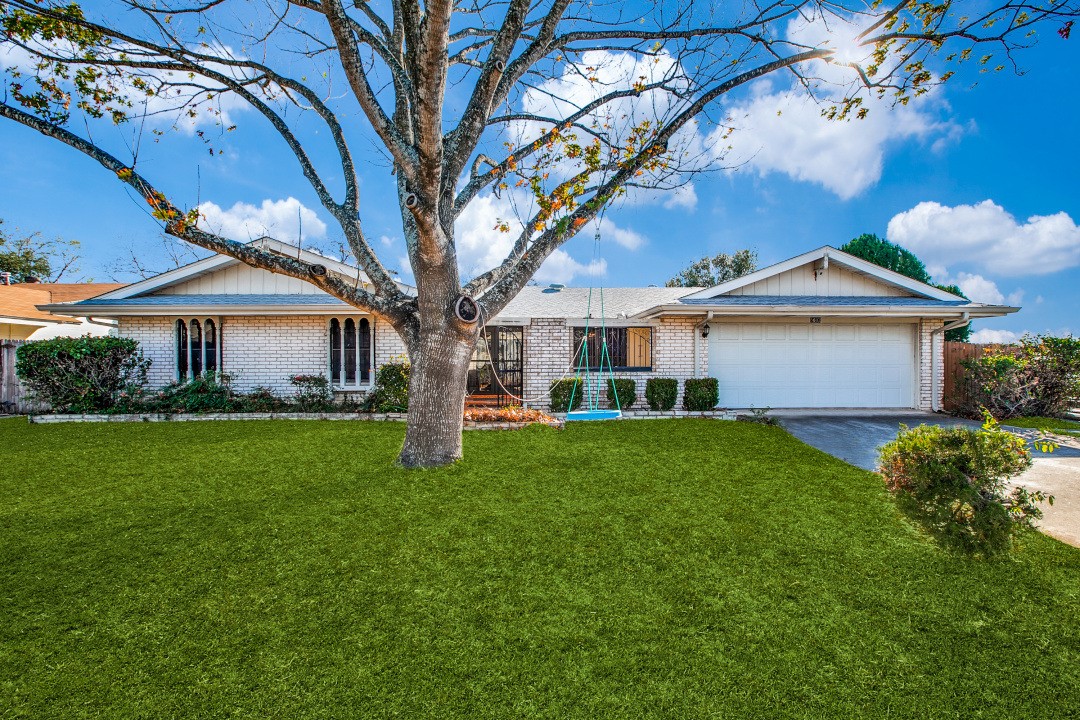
[[30, 256], [720, 268], [893, 257], [562, 104]]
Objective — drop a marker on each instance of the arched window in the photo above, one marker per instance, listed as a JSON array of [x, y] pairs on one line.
[[181, 350], [198, 347], [352, 352]]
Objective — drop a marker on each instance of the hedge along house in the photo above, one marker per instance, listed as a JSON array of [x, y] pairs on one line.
[[824, 329]]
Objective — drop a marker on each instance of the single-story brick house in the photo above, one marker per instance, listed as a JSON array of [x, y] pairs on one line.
[[824, 329]]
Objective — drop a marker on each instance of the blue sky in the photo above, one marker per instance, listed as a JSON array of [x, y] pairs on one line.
[[981, 180]]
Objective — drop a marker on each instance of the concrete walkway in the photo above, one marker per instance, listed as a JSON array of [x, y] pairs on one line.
[[855, 436]]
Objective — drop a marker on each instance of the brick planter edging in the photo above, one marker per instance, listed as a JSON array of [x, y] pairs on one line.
[[192, 417], [720, 414]]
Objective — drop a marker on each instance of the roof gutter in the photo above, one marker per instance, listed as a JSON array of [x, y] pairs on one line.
[[935, 400]]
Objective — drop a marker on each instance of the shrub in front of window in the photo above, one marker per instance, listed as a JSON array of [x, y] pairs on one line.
[[661, 393], [210, 392], [262, 399], [313, 393], [951, 481], [701, 394], [391, 391], [623, 388], [561, 392], [82, 374]]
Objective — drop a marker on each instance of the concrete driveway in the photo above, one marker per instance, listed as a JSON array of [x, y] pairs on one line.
[[855, 436]]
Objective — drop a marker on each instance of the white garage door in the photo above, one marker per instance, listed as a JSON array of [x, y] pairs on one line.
[[821, 365]]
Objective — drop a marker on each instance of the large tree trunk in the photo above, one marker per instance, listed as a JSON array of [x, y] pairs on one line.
[[437, 384]]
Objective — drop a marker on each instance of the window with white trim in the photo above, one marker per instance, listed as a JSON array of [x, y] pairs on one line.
[[198, 347], [352, 352]]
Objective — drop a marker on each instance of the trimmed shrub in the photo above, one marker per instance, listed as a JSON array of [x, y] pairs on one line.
[[391, 391], [561, 390], [951, 481], [623, 388], [701, 393], [82, 374], [262, 399], [313, 393], [206, 393], [661, 393]]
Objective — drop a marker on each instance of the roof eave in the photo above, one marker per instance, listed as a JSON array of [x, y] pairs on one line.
[[973, 311], [172, 310]]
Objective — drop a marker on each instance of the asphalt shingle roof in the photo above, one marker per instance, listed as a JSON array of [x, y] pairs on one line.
[[573, 302]]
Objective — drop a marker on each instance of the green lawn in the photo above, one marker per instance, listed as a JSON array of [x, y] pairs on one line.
[[1044, 423], [668, 569]]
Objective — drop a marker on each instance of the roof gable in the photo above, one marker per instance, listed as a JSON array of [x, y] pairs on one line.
[[208, 274], [822, 261]]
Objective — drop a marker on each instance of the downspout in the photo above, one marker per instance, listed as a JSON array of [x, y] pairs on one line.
[[697, 331], [104, 323], [935, 404]]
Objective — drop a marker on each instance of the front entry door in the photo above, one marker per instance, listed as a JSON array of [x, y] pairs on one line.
[[499, 353]]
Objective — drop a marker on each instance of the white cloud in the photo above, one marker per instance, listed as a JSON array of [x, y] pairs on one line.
[[783, 131], [988, 336], [986, 236], [280, 219], [481, 247], [979, 289], [683, 197], [561, 268]]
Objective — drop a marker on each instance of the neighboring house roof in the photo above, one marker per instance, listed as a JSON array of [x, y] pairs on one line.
[[19, 303], [821, 300], [573, 302]]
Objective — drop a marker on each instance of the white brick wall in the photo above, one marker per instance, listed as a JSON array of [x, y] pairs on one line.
[[269, 350], [931, 364], [548, 357], [257, 350]]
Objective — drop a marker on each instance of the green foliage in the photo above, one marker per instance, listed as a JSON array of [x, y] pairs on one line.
[[391, 391], [661, 393], [625, 389], [262, 399], [313, 393], [701, 393], [888, 255], [83, 374], [720, 268], [951, 481], [561, 392], [30, 256], [209, 392], [1040, 377]]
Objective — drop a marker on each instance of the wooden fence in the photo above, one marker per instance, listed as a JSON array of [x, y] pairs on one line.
[[13, 395], [956, 353]]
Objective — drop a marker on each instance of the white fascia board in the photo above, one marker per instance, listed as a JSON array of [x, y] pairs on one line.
[[209, 310], [974, 312], [868, 268], [9, 320]]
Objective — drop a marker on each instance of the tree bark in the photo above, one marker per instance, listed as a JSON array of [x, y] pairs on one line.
[[437, 387]]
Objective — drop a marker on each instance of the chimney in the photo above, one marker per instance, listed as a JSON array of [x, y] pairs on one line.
[[5, 278]]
